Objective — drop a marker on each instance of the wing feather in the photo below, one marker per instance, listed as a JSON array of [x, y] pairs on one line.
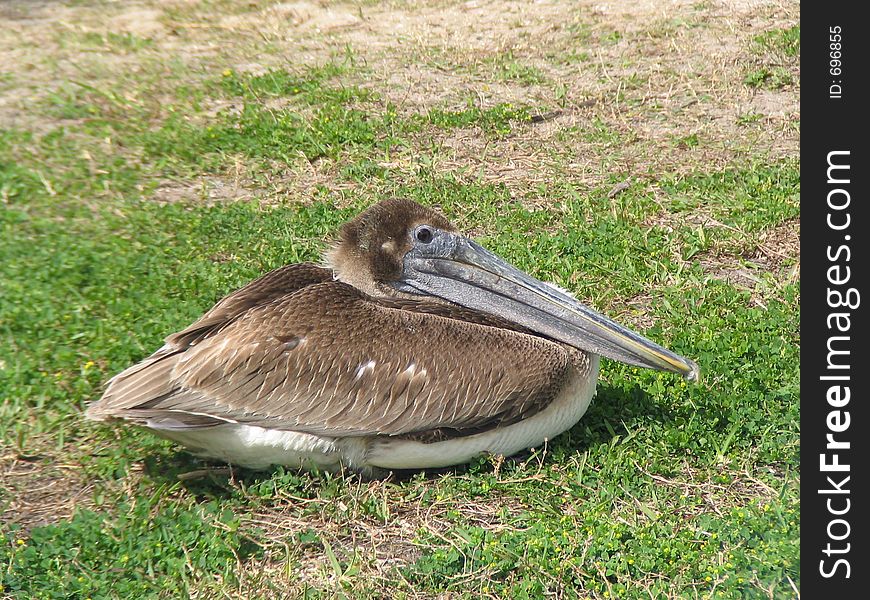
[[322, 357]]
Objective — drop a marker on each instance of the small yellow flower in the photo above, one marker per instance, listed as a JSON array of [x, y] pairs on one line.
[[227, 73], [21, 542]]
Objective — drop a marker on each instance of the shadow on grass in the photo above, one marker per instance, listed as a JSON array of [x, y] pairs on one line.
[[614, 412]]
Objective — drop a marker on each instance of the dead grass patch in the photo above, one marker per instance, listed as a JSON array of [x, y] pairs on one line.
[[775, 251], [40, 490]]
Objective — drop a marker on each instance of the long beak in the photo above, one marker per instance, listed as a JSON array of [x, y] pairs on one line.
[[463, 272]]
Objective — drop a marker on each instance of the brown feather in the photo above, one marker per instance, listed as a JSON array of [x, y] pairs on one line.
[[296, 350]]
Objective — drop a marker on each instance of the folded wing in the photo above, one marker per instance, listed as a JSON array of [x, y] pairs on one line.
[[298, 351]]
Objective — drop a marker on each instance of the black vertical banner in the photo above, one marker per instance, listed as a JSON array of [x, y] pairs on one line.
[[835, 363]]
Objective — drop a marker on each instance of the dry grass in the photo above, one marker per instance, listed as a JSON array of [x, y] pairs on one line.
[[38, 494], [648, 76]]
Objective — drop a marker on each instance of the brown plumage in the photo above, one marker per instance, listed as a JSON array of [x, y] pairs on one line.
[[350, 359], [285, 355]]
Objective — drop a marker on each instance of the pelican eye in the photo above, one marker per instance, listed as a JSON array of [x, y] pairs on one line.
[[424, 234]]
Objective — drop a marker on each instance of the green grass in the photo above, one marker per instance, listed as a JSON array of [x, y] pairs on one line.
[[130, 273], [320, 119], [663, 489], [123, 555], [785, 41], [125, 42], [779, 52], [507, 67], [768, 78]]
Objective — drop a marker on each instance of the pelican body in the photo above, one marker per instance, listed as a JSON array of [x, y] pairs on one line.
[[413, 348]]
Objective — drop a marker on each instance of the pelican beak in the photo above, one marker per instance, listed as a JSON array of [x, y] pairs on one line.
[[461, 271]]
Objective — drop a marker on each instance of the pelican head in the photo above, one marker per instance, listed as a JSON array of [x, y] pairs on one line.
[[400, 248]]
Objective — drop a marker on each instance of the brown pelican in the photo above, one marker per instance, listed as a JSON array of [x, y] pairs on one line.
[[414, 347]]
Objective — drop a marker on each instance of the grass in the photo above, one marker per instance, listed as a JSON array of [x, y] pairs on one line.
[[319, 120], [125, 42], [785, 41], [779, 51], [141, 539], [765, 77], [507, 67], [663, 489]]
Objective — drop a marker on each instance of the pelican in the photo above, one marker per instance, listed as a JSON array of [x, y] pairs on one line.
[[412, 348]]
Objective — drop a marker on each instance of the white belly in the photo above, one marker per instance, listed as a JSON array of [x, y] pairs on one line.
[[258, 448], [567, 408]]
